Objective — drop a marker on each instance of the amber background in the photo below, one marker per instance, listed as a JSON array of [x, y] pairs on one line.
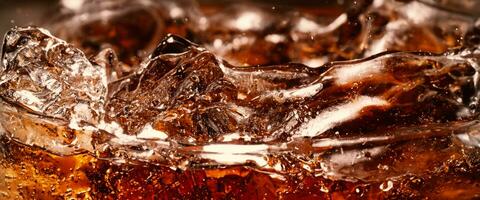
[[31, 12]]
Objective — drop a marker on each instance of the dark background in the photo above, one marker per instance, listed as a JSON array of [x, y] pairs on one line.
[[21, 12]]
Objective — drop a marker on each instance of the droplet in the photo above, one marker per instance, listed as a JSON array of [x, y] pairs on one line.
[[324, 188], [386, 186]]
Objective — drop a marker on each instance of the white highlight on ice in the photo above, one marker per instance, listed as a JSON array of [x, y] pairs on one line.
[[341, 113]]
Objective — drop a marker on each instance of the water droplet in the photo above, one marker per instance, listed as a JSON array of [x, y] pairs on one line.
[[324, 188], [386, 186]]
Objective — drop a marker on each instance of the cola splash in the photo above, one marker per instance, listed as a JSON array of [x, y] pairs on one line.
[[185, 123], [186, 108]]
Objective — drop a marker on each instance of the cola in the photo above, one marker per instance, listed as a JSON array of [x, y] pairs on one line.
[[248, 34], [131, 28], [85, 122]]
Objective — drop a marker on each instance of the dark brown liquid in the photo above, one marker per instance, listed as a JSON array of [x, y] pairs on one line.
[[84, 121]]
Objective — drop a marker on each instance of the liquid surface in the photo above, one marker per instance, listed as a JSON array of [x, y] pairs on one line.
[[98, 118]]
